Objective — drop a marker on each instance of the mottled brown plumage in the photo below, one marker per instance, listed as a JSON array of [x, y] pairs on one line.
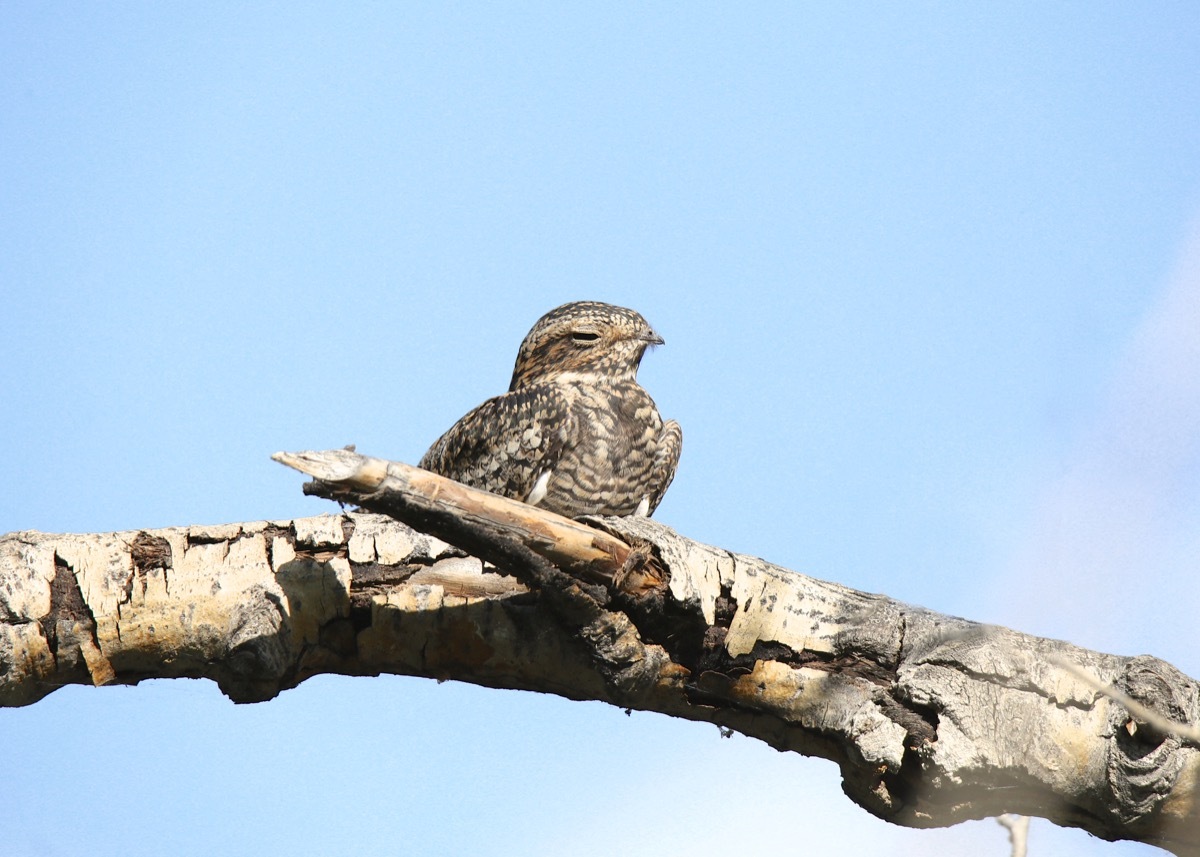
[[575, 433]]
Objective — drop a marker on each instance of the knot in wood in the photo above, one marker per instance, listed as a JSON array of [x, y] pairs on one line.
[[1146, 758]]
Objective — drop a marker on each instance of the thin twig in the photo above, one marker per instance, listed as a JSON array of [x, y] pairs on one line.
[[1137, 709], [1018, 831]]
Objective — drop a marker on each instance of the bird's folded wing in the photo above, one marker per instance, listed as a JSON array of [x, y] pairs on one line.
[[506, 443]]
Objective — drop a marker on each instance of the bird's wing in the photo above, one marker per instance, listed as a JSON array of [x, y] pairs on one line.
[[666, 459], [507, 443]]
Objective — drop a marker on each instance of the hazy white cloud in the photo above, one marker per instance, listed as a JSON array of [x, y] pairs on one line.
[[1112, 557]]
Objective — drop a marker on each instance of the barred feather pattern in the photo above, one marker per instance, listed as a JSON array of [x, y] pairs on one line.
[[574, 418]]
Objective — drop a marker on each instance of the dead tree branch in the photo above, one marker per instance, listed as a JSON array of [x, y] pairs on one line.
[[933, 719]]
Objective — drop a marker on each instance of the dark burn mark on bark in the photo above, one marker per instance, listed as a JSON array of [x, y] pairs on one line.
[[642, 575], [860, 666], [919, 722], [66, 598], [373, 574], [368, 579], [274, 531], [68, 616], [148, 553], [716, 657], [197, 538], [726, 608]]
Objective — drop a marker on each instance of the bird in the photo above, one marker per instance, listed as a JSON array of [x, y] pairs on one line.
[[576, 433]]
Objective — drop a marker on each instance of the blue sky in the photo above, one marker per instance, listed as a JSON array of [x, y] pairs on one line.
[[929, 279]]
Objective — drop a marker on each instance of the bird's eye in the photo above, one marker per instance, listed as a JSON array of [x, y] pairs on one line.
[[584, 336]]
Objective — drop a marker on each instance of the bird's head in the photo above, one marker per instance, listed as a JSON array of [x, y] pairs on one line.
[[584, 337]]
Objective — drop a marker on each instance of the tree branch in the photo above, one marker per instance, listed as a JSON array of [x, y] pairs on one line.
[[933, 719]]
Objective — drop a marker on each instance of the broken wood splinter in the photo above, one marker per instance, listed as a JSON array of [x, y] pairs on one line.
[[381, 485]]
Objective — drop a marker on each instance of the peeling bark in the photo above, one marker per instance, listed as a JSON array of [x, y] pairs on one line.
[[932, 719]]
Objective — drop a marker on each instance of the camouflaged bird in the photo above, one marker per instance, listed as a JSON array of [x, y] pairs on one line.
[[575, 433]]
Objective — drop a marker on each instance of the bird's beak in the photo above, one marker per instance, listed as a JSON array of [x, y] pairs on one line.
[[652, 338]]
